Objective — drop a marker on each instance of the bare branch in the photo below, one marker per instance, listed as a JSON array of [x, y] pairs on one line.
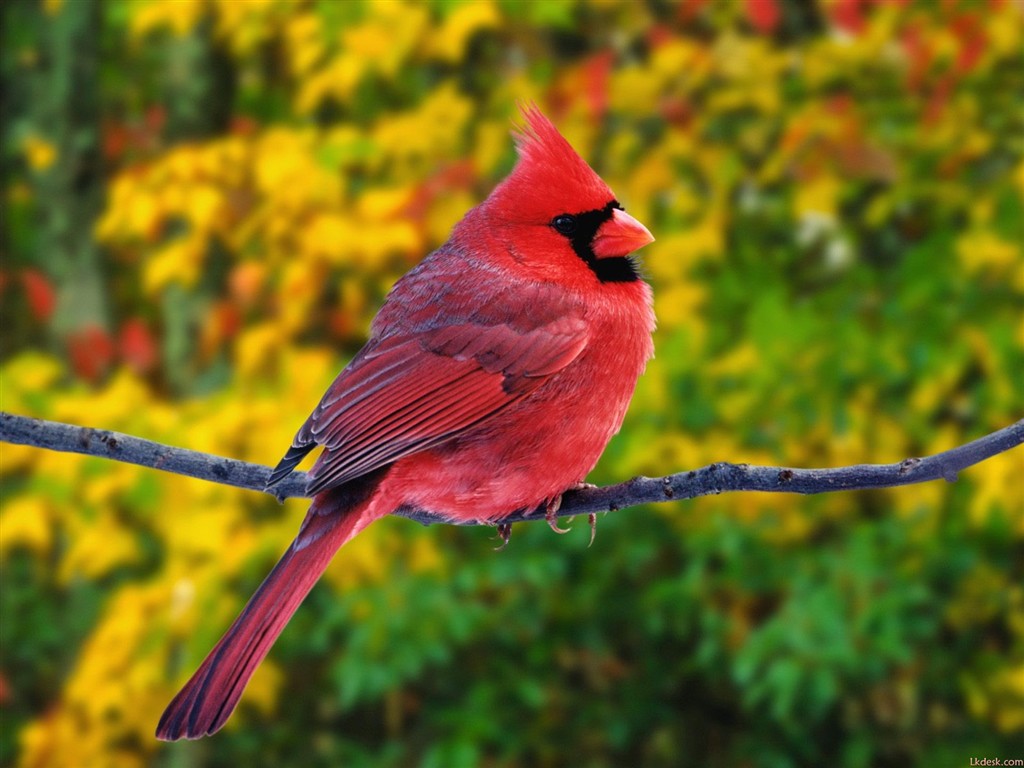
[[55, 436], [713, 479]]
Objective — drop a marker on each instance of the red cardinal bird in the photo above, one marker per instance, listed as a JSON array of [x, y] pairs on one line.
[[495, 374]]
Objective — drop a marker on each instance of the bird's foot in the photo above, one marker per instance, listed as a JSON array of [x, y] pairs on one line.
[[551, 514], [581, 486], [592, 520], [504, 533]]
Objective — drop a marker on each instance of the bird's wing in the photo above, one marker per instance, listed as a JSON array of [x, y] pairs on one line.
[[405, 393]]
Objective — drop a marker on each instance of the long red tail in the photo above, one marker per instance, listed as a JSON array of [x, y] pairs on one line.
[[210, 696]]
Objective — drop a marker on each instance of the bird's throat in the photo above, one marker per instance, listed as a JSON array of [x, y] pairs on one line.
[[619, 269]]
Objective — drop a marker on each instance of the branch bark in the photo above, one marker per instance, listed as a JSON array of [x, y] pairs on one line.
[[721, 477]]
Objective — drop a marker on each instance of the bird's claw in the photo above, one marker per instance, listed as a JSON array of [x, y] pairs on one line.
[[551, 514], [592, 520], [504, 533]]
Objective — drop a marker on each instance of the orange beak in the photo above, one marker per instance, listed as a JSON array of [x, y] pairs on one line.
[[620, 236]]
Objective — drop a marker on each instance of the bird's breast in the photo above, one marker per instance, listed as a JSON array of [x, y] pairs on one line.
[[546, 441]]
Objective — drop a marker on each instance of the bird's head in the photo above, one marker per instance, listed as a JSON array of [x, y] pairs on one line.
[[559, 213]]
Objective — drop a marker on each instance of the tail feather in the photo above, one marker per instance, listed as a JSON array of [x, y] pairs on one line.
[[210, 696]]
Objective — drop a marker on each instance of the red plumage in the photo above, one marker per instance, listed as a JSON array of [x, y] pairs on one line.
[[495, 374]]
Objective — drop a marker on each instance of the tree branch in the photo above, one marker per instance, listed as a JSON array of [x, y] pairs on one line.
[[715, 478]]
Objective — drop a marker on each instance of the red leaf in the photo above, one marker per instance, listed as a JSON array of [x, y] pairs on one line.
[[688, 9], [457, 175], [340, 323], [676, 111], [243, 126], [42, 299], [972, 41], [155, 118], [939, 99], [848, 15], [919, 56], [840, 103], [115, 137], [763, 15], [597, 72], [228, 319], [137, 346], [658, 35], [91, 351]]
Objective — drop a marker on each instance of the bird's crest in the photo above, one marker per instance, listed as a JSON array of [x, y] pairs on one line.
[[549, 168]]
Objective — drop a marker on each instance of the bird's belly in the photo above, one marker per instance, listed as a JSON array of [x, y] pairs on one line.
[[541, 446]]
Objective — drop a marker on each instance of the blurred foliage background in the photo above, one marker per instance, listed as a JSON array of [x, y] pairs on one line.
[[205, 201]]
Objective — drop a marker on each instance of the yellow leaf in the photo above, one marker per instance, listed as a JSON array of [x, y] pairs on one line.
[[256, 348], [301, 283], [388, 36], [445, 211], [305, 41], [261, 692], [98, 546], [177, 262], [1003, 33], [205, 207], [433, 130], [27, 374], [181, 16], [632, 91], [817, 196], [143, 215], [328, 235], [679, 305], [983, 250], [39, 153], [337, 79], [740, 361], [27, 522], [450, 41], [382, 203]]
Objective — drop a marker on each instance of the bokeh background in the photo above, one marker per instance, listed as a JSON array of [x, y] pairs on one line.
[[205, 201]]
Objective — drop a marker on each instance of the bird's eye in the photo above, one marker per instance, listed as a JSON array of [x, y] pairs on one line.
[[564, 224]]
